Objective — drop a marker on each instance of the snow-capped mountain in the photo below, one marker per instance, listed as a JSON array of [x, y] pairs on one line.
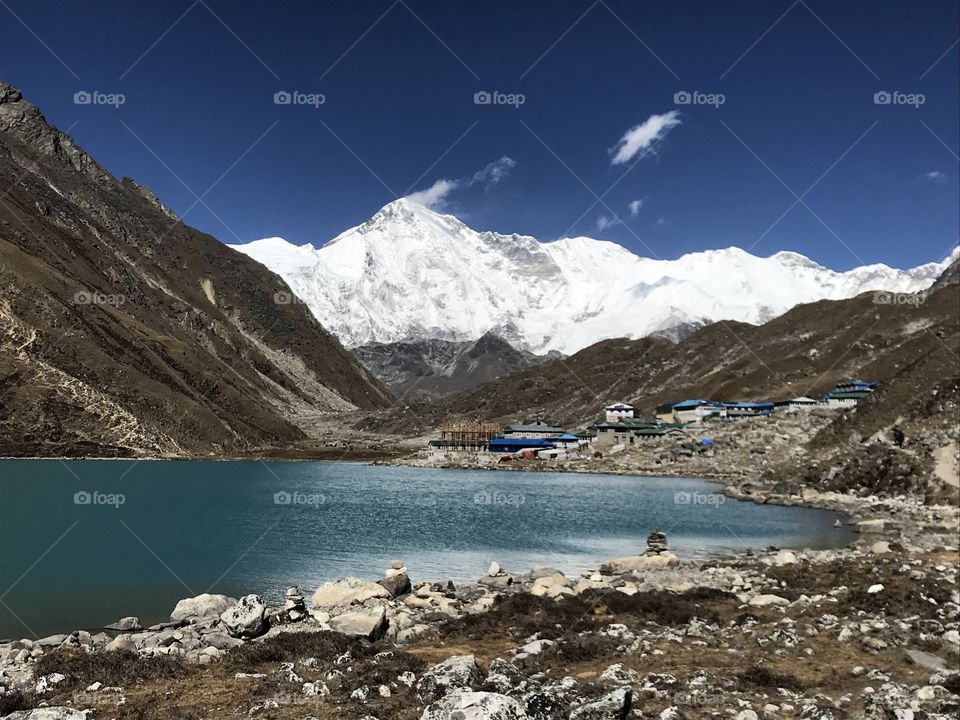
[[410, 273]]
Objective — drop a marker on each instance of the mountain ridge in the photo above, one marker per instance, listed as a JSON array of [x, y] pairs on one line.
[[409, 273], [126, 332], [426, 369]]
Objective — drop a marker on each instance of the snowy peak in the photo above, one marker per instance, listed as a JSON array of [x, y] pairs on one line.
[[409, 274]]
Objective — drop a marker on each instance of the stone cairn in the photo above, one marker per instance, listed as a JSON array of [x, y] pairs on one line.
[[656, 542], [295, 606]]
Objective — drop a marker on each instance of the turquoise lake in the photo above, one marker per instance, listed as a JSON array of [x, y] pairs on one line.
[[83, 543]]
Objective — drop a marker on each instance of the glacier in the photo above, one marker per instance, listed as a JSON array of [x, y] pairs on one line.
[[410, 273]]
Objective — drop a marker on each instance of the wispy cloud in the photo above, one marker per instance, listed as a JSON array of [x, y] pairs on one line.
[[604, 222], [435, 197], [935, 176], [494, 172], [644, 138], [635, 205]]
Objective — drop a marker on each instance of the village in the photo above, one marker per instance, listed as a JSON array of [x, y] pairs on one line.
[[690, 423]]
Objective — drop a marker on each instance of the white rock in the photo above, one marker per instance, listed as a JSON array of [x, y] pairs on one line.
[[48, 682], [782, 558], [201, 607], [454, 672], [347, 591], [370, 623], [246, 618], [765, 600], [465, 704], [552, 586], [640, 563], [874, 589]]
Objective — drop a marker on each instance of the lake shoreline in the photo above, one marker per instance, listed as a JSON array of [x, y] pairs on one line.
[[856, 597], [424, 623]]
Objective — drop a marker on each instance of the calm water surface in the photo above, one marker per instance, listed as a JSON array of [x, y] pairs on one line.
[[83, 543]]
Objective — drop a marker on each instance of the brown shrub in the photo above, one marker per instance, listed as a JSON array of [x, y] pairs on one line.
[[661, 607], [121, 667], [289, 647], [13, 702], [763, 678], [521, 615]]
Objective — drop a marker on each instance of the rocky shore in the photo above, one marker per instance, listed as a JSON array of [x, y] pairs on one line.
[[869, 631]]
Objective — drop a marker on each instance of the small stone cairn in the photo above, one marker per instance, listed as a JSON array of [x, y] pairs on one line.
[[656, 542]]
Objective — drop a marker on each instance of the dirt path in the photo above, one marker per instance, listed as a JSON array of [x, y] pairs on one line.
[[945, 464]]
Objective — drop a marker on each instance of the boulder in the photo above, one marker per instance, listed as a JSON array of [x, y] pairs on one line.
[[783, 558], [121, 642], [619, 674], [246, 617], [455, 672], [347, 591], [51, 641], [127, 624], [614, 705], [464, 704], [503, 676], [766, 600], [639, 563], [396, 585], [369, 623], [201, 607], [552, 586], [220, 641]]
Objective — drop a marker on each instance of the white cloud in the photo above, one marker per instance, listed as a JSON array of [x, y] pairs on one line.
[[643, 139], [435, 196], [661, 222], [936, 176], [635, 205], [604, 222], [494, 172]]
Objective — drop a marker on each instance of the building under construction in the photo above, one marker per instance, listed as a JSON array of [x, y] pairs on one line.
[[466, 435]]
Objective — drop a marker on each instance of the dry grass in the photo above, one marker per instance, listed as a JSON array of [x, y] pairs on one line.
[[121, 668]]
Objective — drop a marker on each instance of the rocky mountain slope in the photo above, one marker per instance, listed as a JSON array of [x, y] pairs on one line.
[[950, 275], [911, 346], [123, 331], [431, 368], [410, 274]]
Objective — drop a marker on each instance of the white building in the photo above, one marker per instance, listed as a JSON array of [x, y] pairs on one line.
[[801, 403], [618, 411]]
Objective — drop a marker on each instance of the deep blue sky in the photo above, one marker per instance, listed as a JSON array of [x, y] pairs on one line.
[[799, 99]]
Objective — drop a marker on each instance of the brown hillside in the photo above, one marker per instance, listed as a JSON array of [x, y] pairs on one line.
[[124, 331], [911, 348]]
